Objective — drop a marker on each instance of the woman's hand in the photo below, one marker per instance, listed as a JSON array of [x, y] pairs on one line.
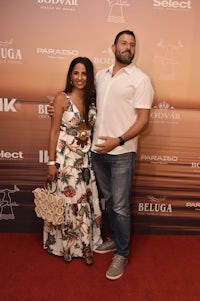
[[52, 173]]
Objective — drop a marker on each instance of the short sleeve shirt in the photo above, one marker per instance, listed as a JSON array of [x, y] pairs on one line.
[[118, 98]]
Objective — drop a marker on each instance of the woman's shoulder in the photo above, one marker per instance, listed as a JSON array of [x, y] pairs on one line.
[[62, 96], [60, 100]]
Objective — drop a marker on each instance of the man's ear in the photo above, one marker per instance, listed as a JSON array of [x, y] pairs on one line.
[[113, 48]]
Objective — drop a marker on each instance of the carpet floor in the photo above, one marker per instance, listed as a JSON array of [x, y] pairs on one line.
[[160, 268]]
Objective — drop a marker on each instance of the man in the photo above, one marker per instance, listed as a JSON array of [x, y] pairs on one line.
[[124, 99]]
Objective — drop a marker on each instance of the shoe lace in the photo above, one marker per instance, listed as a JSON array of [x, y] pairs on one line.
[[108, 243], [117, 261]]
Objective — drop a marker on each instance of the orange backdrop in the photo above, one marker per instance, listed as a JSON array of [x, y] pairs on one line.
[[39, 39]]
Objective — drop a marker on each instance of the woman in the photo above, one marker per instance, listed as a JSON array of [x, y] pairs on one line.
[[70, 165]]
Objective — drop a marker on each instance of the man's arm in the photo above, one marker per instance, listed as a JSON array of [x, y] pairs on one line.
[[109, 143]]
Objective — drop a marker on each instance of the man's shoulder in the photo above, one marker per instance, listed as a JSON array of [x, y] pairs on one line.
[[102, 71], [138, 73], [138, 70]]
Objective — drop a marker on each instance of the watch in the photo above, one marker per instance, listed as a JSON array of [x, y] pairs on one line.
[[121, 141]]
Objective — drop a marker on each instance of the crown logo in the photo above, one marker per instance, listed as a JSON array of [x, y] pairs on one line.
[[50, 98], [6, 43], [163, 106], [152, 198]]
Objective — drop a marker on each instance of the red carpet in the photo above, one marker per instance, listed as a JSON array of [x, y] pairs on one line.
[[161, 268]]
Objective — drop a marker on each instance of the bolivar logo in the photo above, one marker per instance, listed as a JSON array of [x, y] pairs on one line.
[[172, 4], [64, 2]]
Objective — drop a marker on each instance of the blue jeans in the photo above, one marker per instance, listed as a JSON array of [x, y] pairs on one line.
[[114, 175]]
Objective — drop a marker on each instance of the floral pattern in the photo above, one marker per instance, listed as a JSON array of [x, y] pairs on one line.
[[80, 233]]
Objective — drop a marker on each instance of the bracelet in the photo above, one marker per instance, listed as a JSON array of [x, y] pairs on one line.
[[51, 163]]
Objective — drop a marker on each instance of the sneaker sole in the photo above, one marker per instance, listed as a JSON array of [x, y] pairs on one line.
[[104, 252], [114, 277]]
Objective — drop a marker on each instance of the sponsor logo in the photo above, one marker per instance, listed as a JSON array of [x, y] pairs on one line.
[[42, 111], [42, 108], [155, 206], [6, 203], [195, 166], [164, 106], [172, 4], [9, 105], [115, 14], [9, 54], [159, 159], [5, 155], [167, 58], [193, 205], [163, 112], [43, 156], [56, 53], [104, 60], [58, 5]]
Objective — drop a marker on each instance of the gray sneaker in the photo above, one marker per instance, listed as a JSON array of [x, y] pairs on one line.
[[117, 267], [105, 247]]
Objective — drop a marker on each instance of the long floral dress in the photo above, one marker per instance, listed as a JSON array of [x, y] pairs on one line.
[[80, 234]]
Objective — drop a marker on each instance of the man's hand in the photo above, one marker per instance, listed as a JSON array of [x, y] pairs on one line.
[[50, 109], [108, 145]]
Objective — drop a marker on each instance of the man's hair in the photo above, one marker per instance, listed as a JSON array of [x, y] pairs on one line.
[[123, 32]]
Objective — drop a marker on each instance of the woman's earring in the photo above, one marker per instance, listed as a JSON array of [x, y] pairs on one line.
[[71, 83]]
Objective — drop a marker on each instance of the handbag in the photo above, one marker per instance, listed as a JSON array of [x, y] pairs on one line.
[[48, 204]]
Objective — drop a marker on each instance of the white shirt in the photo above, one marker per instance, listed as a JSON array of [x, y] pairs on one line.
[[118, 97]]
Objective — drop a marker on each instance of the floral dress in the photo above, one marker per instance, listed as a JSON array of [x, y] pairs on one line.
[[80, 233]]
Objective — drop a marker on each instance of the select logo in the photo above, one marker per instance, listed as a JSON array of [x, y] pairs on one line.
[[11, 156], [172, 4]]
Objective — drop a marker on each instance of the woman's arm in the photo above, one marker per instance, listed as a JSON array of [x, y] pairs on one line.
[[59, 106]]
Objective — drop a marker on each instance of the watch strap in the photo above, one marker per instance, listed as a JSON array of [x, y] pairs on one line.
[[121, 141]]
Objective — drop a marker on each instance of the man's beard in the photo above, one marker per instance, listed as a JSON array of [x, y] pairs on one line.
[[123, 59]]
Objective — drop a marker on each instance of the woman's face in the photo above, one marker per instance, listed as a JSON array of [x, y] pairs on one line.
[[79, 76]]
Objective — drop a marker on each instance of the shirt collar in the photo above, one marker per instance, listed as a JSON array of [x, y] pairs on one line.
[[128, 69]]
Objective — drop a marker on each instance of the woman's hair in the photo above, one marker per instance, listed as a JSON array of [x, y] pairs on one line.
[[89, 90], [131, 33]]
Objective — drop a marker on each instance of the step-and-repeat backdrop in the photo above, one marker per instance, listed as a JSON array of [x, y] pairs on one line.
[[38, 40]]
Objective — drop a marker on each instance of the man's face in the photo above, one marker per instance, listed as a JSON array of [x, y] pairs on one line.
[[124, 50]]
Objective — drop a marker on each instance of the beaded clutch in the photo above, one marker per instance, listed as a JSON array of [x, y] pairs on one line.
[[48, 204]]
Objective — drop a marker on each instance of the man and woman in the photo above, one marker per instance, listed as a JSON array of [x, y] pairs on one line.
[[124, 96]]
